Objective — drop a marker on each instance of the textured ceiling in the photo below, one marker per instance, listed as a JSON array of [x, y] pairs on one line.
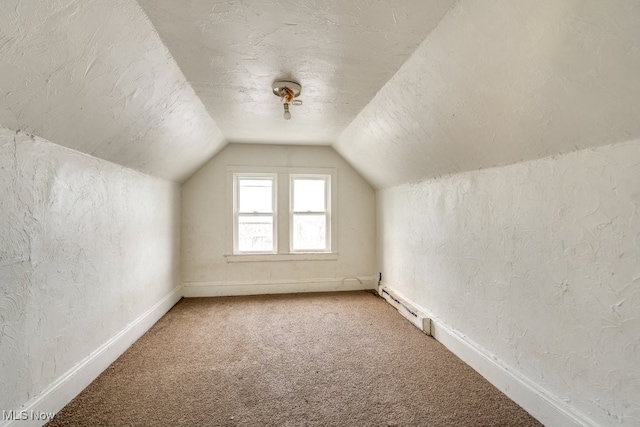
[[342, 52], [404, 90], [94, 76], [501, 82]]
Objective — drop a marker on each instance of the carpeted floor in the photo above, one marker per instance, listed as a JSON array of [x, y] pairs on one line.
[[333, 359]]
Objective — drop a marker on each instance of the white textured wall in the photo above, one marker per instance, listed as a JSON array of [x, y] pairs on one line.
[[86, 247], [206, 226], [538, 263]]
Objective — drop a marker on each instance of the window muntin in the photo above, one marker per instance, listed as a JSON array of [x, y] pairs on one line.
[[254, 213], [310, 222]]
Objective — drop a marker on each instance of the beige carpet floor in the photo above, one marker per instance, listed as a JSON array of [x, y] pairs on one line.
[[333, 359]]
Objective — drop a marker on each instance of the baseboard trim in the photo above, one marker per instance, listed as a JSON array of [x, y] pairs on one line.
[[219, 289], [54, 397], [545, 407]]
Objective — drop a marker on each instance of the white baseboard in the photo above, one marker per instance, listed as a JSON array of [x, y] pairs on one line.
[[219, 289], [53, 398], [546, 408]]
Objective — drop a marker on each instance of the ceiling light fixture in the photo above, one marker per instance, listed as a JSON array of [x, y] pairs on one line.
[[287, 91]]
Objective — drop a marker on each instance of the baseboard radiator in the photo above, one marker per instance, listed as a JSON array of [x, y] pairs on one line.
[[413, 315]]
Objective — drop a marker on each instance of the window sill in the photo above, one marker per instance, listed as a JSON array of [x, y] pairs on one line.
[[282, 257]]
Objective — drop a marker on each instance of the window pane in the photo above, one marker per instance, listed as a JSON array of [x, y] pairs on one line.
[[309, 195], [255, 233], [309, 232], [255, 195]]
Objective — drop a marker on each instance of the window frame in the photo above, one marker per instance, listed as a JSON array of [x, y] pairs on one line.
[[282, 242], [237, 177], [327, 211]]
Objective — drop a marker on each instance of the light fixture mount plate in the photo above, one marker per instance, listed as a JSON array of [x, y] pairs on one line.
[[279, 84]]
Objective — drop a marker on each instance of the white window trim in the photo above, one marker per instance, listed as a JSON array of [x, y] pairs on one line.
[[327, 212], [282, 227], [274, 210], [298, 256]]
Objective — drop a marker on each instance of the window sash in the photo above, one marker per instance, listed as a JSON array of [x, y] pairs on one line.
[[237, 214], [326, 213], [310, 247]]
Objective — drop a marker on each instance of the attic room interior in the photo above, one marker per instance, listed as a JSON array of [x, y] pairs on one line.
[[474, 164]]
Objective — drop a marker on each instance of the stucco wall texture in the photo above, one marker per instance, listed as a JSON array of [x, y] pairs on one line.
[[87, 247], [538, 264]]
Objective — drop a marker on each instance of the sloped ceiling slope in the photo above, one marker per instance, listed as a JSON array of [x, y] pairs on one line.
[[93, 75], [342, 52], [503, 81]]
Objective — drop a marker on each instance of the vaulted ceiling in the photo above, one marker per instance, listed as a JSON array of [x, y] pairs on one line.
[[93, 75], [503, 81], [404, 89], [342, 52]]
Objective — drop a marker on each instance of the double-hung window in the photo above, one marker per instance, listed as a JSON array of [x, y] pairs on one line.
[[310, 222], [282, 213], [255, 213]]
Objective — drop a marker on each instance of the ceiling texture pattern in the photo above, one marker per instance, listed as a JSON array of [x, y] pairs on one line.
[[404, 90], [499, 82], [93, 75], [342, 52]]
